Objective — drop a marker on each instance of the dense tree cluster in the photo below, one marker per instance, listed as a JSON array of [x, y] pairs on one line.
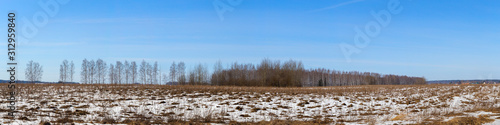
[[33, 71], [177, 74], [198, 76], [292, 73], [148, 74], [66, 71], [268, 73], [93, 71]]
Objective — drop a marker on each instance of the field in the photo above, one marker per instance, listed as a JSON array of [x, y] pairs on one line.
[[161, 104]]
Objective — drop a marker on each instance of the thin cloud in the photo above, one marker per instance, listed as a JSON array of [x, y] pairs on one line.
[[51, 44], [104, 20], [336, 5], [114, 20]]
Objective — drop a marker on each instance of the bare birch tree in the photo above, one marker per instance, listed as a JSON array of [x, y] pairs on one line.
[[149, 73], [217, 72], [133, 71], [119, 72], [173, 72], [84, 73], [101, 71], [71, 71], [142, 72], [126, 67], [92, 71], [181, 73], [61, 73], [64, 71], [154, 73], [111, 74]]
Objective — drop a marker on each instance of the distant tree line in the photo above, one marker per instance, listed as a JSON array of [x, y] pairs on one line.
[[292, 74], [326, 77], [275, 73]]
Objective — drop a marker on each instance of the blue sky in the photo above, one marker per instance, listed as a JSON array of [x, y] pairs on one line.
[[457, 39]]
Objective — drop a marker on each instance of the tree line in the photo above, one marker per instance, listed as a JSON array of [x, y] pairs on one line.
[[292, 74], [268, 72], [98, 72]]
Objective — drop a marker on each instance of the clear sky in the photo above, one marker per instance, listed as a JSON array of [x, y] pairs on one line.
[[437, 39]]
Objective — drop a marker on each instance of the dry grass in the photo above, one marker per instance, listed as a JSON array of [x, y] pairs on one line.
[[67, 103], [399, 117], [481, 119]]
